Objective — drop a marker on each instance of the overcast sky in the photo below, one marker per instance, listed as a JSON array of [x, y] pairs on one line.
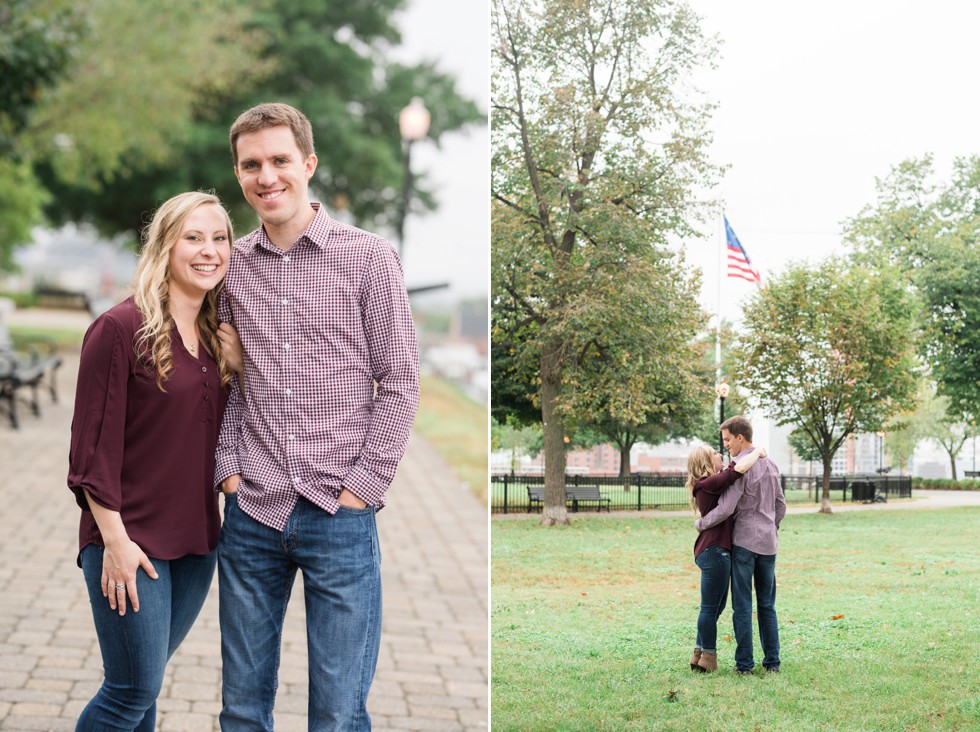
[[819, 99], [453, 243]]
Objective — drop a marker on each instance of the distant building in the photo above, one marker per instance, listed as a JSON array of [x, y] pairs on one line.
[[73, 266], [460, 354]]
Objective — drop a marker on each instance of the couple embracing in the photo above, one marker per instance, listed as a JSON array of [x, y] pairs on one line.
[[741, 508], [290, 386]]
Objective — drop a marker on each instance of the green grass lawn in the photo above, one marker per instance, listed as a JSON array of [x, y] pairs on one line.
[[70, 338], [458, 429], [592, 627]]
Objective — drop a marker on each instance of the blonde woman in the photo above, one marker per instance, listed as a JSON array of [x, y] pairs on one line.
[[706, 481], [152, 386]]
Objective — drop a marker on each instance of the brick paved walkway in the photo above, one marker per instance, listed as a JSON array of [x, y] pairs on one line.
[[433, 668]]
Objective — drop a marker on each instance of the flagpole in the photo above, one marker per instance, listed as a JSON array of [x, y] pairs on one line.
[[721, 267]]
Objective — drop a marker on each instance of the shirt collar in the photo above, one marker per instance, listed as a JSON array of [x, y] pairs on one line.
[[317, 233], [745, 451]]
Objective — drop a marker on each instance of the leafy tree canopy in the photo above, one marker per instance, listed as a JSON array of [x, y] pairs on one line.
[[929, 229], [38, 39], [171, 79], [830, 349], [597, 155]]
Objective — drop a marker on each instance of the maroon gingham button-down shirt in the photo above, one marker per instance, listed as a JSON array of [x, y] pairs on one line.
[[331, 370]]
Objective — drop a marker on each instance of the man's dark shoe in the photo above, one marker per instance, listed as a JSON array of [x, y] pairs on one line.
[[772, 669], [743, 671]]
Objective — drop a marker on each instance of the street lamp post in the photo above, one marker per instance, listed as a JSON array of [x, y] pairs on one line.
[[721, 389], [413, 124], [881, 451]]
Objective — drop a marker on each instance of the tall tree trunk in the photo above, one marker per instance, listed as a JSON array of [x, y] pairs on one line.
[[624, 460], [553, 513], [825, 497], [952, 463]]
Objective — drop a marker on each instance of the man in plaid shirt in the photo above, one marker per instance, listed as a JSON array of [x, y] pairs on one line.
[[306, 456]]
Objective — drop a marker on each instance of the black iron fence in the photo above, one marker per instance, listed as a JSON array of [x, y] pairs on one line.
[[512, 493], [865, 488]]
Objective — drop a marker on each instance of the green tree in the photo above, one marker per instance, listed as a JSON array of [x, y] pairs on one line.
[[21, 202], [929, 229], [648, 390], [935, 420], [596, 157], [329, 60], [830, 349], [905, 430], [804, 447], [519, 439], [37, 41]]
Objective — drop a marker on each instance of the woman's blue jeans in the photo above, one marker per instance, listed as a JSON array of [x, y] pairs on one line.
[[341, 564], [716, 572], [136, 646]]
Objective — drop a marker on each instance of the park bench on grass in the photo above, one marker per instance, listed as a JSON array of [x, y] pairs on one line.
[[535, 498], [30, 368], [586, 494]]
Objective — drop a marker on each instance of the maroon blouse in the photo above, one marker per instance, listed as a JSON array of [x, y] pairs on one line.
[[706, 493], [143, 452]]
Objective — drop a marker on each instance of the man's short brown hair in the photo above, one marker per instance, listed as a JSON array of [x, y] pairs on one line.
[[738, 425], [263, 116]]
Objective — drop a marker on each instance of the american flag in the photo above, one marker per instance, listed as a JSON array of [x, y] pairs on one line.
[[739, 264]]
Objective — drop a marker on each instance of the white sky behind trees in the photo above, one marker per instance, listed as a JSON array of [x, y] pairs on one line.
[[816, 101], [451, 244]]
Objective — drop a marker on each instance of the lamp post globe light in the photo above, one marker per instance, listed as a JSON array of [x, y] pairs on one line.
[[721, 389], [413, 125]]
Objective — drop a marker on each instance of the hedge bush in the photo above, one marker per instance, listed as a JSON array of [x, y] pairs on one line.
[[945, 484]]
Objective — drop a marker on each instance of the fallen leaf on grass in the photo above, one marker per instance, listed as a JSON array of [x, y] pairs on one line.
[[728, 638], [837, 617]]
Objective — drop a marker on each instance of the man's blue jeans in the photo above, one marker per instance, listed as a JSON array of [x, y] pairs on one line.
[[341, 564], [760, 569], [716, 573], [136, 646]]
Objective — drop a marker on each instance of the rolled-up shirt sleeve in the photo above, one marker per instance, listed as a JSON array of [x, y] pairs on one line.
[[394, 364], [99, 421]]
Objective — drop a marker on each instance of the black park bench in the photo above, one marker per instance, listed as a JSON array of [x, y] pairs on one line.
[[580, 494], [535, 498], [28, 369]]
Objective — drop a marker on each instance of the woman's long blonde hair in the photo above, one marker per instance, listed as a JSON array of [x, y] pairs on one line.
[[152, 288], [700, 464]]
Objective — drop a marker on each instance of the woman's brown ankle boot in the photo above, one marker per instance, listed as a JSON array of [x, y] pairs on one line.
[[708, 661]]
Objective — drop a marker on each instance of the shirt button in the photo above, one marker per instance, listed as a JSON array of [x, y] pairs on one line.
[[286, 259], [285, 346], [207, 383], [204, 369], [292, 437], [289, 392], [285, 301], [206, 397], [295, 479]]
